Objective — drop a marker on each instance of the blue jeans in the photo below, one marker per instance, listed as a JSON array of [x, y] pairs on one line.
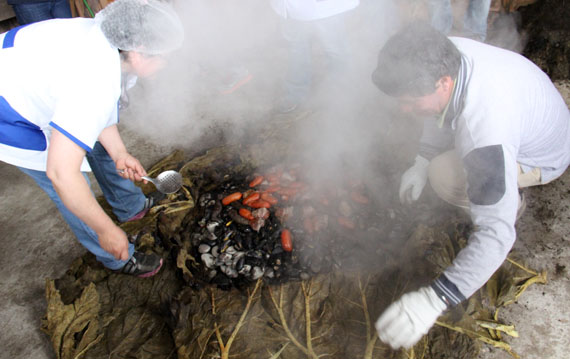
[[331, 35], [474, 21], [42, 10], [125, 198]]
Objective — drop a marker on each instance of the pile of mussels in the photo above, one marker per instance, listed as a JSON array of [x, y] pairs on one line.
[[277, 226]]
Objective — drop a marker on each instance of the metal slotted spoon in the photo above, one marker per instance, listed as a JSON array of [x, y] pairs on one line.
[[166, 182]]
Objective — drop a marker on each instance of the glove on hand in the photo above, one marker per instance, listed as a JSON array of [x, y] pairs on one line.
[[405, 321], [414, 180]]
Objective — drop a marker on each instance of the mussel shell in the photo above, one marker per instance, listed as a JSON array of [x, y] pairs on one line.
[[203, 248]]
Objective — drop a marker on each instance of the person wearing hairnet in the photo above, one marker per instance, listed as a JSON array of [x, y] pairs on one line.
[[303, 20], [493, 123], [59, 94]]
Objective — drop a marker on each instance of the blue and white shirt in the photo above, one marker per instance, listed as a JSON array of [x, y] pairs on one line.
[[61, 74]]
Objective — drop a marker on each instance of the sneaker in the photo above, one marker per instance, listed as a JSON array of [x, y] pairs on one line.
[[148, 203], [142, 265]]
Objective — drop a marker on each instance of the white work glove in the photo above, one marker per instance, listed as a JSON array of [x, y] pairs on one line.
[[414, 180], [405, 321]]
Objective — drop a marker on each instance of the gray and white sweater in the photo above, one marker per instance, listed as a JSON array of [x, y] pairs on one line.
[[504, 111]]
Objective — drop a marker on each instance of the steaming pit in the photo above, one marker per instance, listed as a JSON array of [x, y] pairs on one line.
[[273, 223]]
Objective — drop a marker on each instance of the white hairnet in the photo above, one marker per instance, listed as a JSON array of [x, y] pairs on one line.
[[146, 26]]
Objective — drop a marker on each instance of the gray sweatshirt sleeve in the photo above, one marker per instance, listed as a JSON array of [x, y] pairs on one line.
[[493, 193]]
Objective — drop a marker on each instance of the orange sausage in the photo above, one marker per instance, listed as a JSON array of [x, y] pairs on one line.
[[269, 198], [288, 191], [251, 198], [345, 222], [232, 197], [296, 184], [260, 204], [273, 179], [359, 198], [246, 213], [257, 180], [286, 241], [272, 189]]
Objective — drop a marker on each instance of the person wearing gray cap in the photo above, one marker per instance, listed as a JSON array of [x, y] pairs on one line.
[[59, 94]]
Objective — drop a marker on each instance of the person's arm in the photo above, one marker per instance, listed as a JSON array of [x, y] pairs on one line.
[[493, 193], [113, 143], [63, 169]]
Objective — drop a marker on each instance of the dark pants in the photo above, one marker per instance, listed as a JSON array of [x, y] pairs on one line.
[[43, 10]]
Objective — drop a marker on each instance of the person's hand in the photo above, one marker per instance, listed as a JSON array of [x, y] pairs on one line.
[[115, 242], [405, 321], [413, 181], [129, 167]]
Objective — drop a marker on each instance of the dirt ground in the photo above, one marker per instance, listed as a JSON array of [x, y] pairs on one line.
[[37, 245]]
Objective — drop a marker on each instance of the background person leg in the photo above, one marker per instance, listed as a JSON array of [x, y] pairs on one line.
[[441, 15], [32, 12], [475, 19], [60, 9], [299, 73]]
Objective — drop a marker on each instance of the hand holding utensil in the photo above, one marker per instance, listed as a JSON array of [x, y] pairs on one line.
[[166, 182]]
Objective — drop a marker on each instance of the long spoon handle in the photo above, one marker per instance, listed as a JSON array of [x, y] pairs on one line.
[[143, 177]]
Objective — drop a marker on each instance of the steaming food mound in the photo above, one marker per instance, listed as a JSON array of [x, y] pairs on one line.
[[274, 224]]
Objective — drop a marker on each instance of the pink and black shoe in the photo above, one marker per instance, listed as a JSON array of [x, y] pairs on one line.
[[143, 265], [147, 206]]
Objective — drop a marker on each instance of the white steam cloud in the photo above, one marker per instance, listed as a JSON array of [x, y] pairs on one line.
[[183, 103]]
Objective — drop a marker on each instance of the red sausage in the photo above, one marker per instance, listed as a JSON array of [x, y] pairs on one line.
[[260, 204], [296, 184], [257, 180], [288, 191], [272, 189], [273, 179], [232, 197], [251, 198], [359, 198], [246, 213], [269, 198], [286, 242], [345, 222]]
